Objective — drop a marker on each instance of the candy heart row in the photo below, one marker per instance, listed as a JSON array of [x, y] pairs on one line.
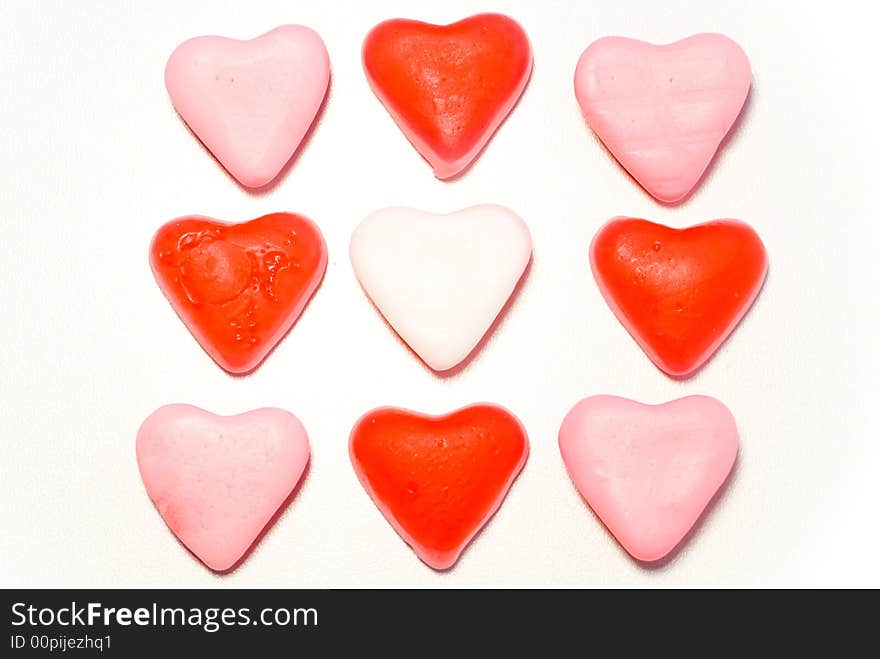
[[662, 111], [647, 471], [441, 280]]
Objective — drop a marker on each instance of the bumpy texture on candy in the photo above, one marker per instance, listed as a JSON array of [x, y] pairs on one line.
[[448, 87], [663, 111], [648, 471], [250, 102], [441, 280], [239, 287], [216, 480], [679, 292], [439, 479]]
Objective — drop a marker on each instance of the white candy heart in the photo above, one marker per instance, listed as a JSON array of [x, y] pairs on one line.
[[440, 280]]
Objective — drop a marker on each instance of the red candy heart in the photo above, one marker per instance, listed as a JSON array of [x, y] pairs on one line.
[[239, 287], [448, 87], [438, 479], [679, 292]]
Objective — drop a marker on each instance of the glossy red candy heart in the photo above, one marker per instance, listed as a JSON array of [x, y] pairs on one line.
[[679, 292], [239, 287], [439, 479], [448, 87]]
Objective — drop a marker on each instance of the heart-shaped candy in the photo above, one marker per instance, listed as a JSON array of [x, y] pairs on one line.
[[216, 480], [239, 287], [438, 479], [679, 292], [250, 102], [448, 87], [648, 471], [663, 110], [441, 280]]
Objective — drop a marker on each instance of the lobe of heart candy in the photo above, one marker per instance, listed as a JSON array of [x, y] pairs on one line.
[[239, 288], [663, 111], [251, 103], [679, 292], [438, 480], [648, 471], [218, 481], [448, 87]]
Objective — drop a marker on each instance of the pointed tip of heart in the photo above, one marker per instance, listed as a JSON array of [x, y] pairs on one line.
[[448, 169], [649, 471]]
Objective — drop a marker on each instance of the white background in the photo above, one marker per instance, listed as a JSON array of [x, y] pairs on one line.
[[93, 159]]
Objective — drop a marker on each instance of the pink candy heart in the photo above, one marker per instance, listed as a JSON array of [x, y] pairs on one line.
[[648, 471], [250, 102], [216, 480], [663, 110]]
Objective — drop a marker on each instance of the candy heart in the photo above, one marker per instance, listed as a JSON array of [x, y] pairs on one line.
[[239, 287], [438, 479], [663, 110], [648, 471], [679, 292], [216, 480], [440, 280], [448, 87], [250, 102]]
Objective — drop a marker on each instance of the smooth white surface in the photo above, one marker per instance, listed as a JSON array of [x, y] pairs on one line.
[[441, 280], [94, 160]]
